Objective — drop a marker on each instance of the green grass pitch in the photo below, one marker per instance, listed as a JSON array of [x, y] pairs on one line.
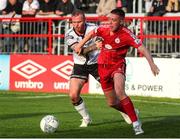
[[20, 115]]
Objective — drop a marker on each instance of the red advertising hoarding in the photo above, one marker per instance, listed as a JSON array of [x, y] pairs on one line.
[[41, 73]]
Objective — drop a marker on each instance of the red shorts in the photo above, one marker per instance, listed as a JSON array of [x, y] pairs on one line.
[[106, 73]]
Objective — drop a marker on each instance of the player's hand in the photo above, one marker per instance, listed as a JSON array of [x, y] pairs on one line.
[[155, 70], [98, 44], [77, 49]]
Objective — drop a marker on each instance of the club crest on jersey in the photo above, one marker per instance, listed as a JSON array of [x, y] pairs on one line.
[[117, 40], [107, 46], [78, 39]]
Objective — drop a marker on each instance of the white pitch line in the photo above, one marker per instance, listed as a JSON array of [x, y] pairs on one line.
[[101, 97], [155, 102], [48, 96], [144, 101]]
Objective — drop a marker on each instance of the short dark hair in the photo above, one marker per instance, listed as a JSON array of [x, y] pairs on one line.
[[119, 12], [78, 12]]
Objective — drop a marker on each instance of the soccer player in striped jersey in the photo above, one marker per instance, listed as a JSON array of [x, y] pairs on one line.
[[83, 65]]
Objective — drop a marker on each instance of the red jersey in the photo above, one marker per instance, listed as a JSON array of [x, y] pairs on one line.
[[115, 46]]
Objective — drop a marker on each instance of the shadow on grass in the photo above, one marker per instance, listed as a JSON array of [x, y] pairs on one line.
[[154, 127], [106, 123], [162, 126]]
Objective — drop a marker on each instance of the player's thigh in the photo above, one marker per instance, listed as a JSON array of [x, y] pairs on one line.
[[119, 85], [78, 78], [76, 85]]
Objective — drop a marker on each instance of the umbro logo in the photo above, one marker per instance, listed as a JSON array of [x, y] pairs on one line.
[[64, 69], [29, 69]]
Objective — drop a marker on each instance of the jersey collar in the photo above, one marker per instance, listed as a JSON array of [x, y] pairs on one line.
[[81, 35]]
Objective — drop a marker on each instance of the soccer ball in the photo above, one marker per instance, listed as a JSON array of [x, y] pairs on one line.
[[49, 124]]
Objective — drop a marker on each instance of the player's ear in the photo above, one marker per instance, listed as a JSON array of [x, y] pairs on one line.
[[122, 22]]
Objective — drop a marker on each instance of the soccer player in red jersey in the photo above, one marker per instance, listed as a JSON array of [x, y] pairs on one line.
[[112, 66]]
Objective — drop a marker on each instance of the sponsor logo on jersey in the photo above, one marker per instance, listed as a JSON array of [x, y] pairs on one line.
[[117, 40], [107, 46], [64, 69], [69, 37], [137, 41], [29, 69]]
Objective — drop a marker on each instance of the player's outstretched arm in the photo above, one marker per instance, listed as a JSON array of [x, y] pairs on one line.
[[85, 51], [155, 70], [79, 46], [97, 45]]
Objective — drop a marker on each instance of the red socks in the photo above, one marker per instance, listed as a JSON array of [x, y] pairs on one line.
[[128, 108]]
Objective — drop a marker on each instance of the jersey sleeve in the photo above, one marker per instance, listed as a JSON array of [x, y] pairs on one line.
[[70, 40], [98, 31], [132, 40]]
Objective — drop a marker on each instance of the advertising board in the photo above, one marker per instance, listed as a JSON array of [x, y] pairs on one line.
[[41, 73], [4, 72]]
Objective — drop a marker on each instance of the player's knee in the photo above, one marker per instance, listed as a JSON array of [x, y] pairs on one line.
[[74, 98], [121, 94]]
